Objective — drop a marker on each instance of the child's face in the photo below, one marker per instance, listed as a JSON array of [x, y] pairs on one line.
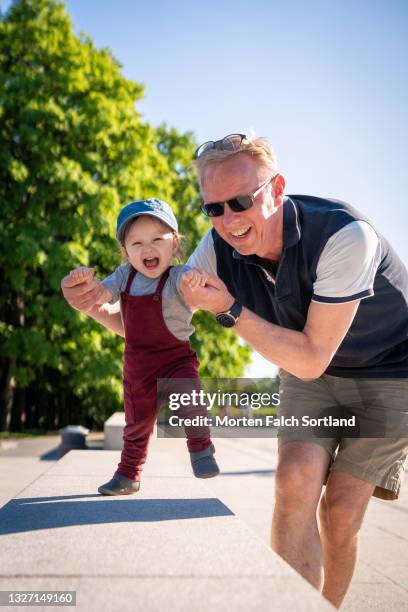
[[150, 246]]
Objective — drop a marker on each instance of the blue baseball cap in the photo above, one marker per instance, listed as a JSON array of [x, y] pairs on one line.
[[153, 207]]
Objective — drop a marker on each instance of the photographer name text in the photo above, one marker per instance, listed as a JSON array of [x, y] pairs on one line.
[[268, 421]]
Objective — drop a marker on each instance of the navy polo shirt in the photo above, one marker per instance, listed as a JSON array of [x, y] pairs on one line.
[[376, 344]]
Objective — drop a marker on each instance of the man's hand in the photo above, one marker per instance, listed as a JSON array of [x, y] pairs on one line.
[[213, 296], [82, 275], [194, 278], [83, 294]]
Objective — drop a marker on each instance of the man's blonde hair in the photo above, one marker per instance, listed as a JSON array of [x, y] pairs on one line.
[[258, 148]]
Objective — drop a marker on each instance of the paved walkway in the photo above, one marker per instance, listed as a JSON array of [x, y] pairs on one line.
[[381, 579], [22, 460], [173, 545], [246, 488]]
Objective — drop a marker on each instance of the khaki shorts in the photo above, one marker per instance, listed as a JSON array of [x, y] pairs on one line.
[[371, 439]]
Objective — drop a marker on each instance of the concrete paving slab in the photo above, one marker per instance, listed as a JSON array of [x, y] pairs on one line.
[[397, 523], [383, 547], [376, 598], [246, 483], [22, 460], [132, 524], [169, 458], [246, 487], [383, 561], [173, 544], [366, 573], [16, 473], [44, 447], [182, 594]]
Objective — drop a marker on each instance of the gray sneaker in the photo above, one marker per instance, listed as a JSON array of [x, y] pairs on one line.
[[203, 463], [119, 485]]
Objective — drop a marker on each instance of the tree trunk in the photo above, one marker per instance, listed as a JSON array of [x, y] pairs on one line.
[[7, 396], [17, 422]]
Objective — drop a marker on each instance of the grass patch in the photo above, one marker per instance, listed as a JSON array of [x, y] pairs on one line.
[[28, 433]]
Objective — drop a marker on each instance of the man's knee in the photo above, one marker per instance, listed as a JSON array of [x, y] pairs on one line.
[[341, 514], [300, 474], [292, 478]]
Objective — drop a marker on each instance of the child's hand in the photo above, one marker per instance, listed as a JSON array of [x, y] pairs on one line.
[[194, 278], [81, 275], [212, 296]]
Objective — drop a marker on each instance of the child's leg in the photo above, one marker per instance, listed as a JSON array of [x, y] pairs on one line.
[[140, 418], [198, 437]]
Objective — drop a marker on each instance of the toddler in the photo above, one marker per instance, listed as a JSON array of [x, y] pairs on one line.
[[157, 324]]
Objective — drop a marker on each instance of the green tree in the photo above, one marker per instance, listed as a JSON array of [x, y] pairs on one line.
[[73, 149]]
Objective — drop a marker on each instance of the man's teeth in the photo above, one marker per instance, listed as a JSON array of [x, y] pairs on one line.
[[241, 231]]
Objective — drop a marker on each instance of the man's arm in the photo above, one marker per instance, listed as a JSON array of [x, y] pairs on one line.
[[83, 297], [306, 353]]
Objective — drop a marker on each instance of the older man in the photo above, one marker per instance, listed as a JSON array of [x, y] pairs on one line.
[[312, 286]]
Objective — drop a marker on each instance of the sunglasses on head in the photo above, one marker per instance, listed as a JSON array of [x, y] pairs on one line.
[[238, 204], [232, 142]]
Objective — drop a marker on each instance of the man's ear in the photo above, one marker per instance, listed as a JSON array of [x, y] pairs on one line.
[[279, 185], [278, 189]]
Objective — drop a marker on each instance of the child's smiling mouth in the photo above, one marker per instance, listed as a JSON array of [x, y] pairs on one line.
[[151, 262]]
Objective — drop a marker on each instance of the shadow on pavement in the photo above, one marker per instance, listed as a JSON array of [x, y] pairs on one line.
[[51, 455], [32, 514]]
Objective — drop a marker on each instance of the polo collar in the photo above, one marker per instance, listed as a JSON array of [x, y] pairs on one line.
[[291, 230]]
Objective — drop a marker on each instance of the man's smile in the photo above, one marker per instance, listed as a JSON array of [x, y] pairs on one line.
[[241, 233]]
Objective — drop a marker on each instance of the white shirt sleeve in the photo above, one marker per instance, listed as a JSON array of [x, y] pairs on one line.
[[204, 255], [347, 265]]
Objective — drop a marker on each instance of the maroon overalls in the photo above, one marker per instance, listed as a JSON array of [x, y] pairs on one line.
[[151, 352]]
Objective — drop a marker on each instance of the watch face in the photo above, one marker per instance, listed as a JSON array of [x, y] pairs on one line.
[[225, 319]]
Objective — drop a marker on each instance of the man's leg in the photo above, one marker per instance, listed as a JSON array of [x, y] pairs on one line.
[[342, 510], [301, 472]]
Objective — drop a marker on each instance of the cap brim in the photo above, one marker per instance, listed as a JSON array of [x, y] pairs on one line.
[[157, 215]]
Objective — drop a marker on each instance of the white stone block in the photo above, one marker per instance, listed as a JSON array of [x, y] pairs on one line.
[[113, 430]]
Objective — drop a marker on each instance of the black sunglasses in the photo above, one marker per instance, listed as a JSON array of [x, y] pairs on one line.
[[232, 142], [238, 204]]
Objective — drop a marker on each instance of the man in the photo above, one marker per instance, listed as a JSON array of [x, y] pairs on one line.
[[324, 297], [313, 287]]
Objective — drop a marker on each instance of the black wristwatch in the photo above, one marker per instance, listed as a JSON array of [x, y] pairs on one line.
[[229, 317]]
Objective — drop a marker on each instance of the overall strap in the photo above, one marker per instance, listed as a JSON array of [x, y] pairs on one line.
[[131, 276], [162, 281]]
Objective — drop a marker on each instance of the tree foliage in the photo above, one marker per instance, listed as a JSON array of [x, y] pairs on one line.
[[73, 150]]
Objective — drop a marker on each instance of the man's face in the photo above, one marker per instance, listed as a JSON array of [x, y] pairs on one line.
[[253, 231]]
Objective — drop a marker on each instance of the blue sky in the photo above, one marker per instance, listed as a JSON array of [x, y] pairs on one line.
[[325, 81]]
